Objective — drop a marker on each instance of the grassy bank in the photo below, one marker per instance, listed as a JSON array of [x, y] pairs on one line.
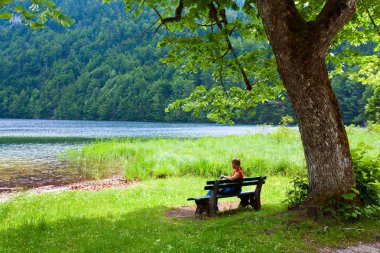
[[134, 220], [278, 153]]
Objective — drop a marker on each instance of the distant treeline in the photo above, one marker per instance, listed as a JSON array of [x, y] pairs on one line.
[[105, 68]]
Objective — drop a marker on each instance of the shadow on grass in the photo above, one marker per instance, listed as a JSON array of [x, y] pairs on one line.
[[144, 230], [148, 229]]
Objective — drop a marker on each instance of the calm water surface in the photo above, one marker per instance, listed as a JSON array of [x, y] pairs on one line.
[[106, 129], [37, 163]]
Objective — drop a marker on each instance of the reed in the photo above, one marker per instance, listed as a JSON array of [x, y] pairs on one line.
[[278, 153]]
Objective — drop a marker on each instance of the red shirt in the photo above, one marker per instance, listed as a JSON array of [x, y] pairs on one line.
[[240, 171]]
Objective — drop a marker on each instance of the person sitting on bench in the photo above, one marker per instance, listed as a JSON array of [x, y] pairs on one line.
[[237, 174]]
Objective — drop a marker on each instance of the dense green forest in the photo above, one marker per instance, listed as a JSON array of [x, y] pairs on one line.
[[105, 67]]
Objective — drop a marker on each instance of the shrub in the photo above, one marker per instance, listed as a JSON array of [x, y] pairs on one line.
[[373, 127], [285, 134], [363, 200], [367, 189], [287, 120], [298, 193]]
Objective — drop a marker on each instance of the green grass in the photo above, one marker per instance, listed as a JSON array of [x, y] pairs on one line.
[[134, 220], [279, 153]]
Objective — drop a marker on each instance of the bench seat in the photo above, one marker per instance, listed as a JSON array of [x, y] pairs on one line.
[[209, 204], [219, 196]]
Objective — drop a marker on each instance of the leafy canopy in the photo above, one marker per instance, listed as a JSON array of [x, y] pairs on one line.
[[34, 13], [218, 30], [210, 34]]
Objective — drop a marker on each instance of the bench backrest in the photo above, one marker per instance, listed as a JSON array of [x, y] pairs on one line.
[[240, 183]]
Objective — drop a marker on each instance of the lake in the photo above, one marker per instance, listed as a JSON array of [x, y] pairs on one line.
[[30, 149]]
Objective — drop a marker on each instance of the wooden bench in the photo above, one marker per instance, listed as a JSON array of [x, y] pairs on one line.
[[209, 204]]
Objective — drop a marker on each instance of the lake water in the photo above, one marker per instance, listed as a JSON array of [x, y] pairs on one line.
[[29, 149], [107, 129]]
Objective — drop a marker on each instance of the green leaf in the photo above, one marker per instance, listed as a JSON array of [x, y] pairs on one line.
[[19, 8], [4, 2], [355, 190], [36, 25], [6, 15], [66, 21], [349, 196]]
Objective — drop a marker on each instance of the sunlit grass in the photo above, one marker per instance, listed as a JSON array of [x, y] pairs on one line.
[[278, 153], [134, 220]]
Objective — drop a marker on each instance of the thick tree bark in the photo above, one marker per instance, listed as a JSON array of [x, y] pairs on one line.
[[322, 131], [300, 49]]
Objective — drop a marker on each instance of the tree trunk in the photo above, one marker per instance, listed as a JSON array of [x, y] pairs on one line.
[[300, 49], [322, 130]]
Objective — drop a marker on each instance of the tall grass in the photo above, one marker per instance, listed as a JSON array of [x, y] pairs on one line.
[[278, 153], [211, 156]]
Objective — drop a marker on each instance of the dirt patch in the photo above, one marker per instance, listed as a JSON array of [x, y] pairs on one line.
[[91, 185], [189, 211], [360, 248]]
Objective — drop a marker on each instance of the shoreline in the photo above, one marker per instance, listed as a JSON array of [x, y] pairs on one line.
[[117, 181]]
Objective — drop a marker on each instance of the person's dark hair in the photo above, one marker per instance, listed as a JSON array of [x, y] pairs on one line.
[[236, 161]]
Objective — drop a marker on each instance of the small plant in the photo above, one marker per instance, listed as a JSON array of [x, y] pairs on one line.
[[285, 134], [373, 127], [298, 193], [287, 120], [361, 201], [352, 129], [367, 174]]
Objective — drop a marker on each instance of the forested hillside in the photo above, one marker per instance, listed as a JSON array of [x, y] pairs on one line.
[[105, 67]]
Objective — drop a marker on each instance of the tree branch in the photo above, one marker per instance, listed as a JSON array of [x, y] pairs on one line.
[[281, 14], [292, 37], [221, 79], [141, 33], [334, 15], [206, 25], [373, 22], [285, 28], [221, 24], [220, 57], [159, 18], [177, 16]]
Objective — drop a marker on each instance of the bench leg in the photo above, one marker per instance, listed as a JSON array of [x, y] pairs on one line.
[[244, 201], [202, 206], [212, 208], [252, 201], [256, 203]]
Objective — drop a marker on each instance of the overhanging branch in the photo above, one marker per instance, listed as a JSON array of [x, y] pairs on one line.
[[373, 22], [177, 16], [142, 33], [222, 23], [333, 16]]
